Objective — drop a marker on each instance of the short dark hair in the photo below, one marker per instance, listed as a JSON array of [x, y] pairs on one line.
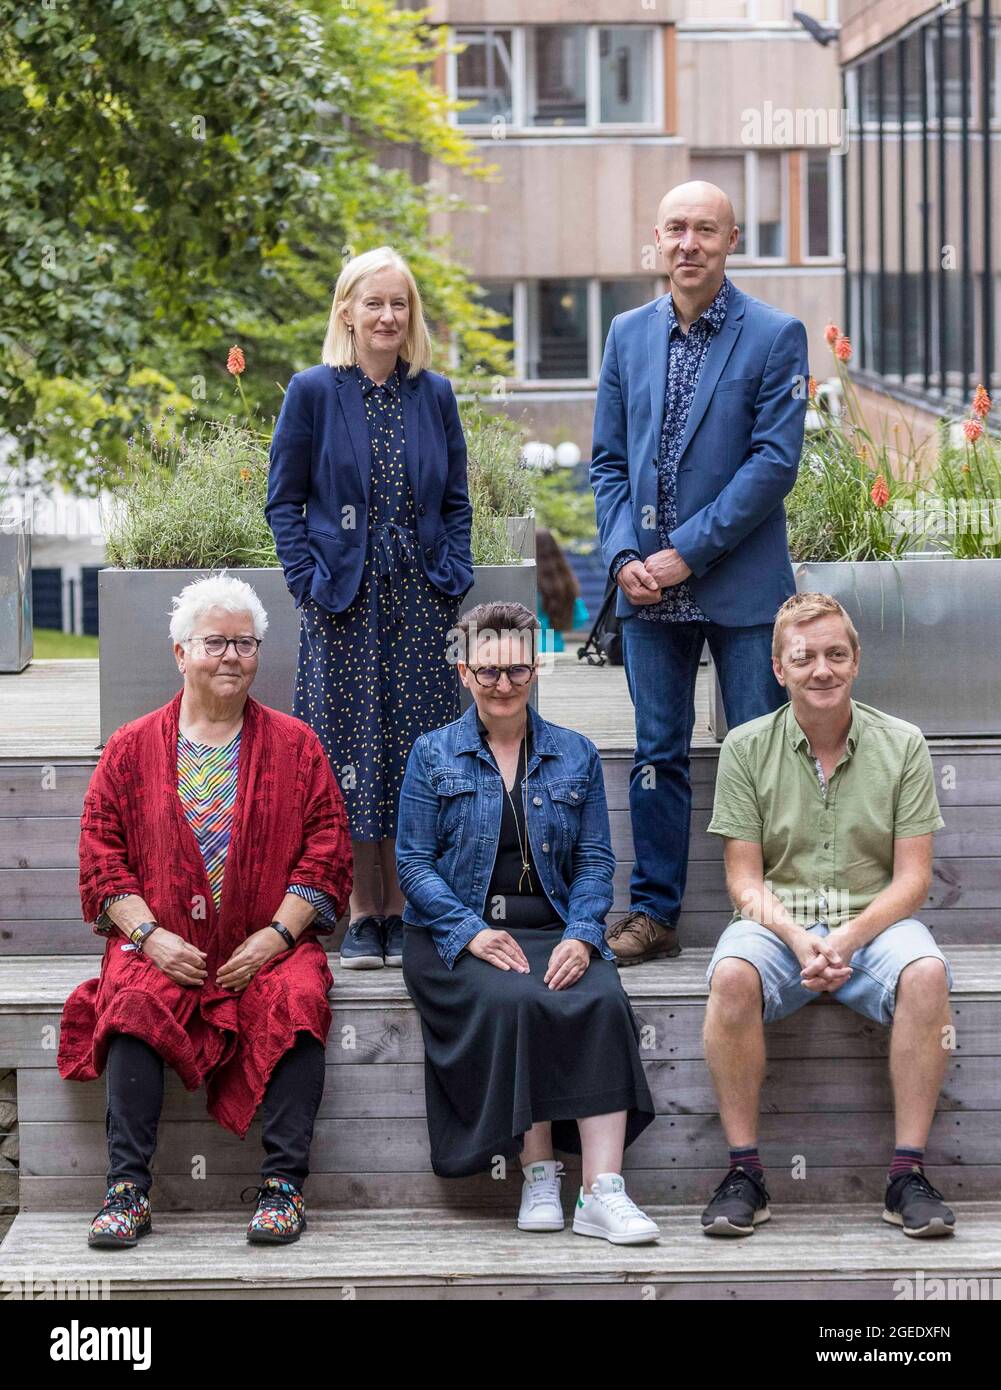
[[496, 619]]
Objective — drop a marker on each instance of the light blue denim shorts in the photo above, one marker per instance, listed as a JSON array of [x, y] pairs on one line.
[[872, 988]]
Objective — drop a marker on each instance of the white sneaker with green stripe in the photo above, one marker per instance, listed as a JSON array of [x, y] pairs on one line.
[[608, 1211], [541, 1209]]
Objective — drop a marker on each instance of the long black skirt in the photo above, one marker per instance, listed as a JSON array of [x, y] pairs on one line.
[[503, 1051]]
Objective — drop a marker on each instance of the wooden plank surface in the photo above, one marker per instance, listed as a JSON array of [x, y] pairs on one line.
[[348, 1251]]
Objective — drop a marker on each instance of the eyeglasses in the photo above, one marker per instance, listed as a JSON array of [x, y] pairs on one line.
[[217, 645], [490, 675]]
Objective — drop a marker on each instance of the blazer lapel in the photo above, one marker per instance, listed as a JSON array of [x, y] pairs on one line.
[[657, 344], [412, 426], [716, 358], [353, 406]]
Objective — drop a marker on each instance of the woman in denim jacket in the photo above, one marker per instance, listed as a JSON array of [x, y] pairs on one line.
[[504, 856]]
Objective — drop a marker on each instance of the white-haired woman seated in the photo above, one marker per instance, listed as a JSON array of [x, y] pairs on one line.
[[214, 847]]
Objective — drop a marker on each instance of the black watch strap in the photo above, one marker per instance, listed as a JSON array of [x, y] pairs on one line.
[[284, 933]]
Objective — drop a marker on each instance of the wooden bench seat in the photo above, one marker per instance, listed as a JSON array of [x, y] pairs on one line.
[[826, 1110]]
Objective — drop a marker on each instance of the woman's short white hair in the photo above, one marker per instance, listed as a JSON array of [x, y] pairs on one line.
[[339, 344], [216, 591]]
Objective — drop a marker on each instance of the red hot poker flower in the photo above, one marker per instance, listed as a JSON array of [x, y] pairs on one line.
[[236, 363], [880, 493]]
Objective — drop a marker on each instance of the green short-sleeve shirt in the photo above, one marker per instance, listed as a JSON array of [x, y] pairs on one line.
[[826, 854]]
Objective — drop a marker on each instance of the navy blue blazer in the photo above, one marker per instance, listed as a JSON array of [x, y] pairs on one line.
[[739, 455], [320, 478]]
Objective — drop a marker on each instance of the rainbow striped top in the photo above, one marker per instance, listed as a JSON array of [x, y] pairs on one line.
[[206, 784]]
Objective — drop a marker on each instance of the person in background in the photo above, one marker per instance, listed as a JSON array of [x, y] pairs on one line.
[[368, 502], [560, 606]]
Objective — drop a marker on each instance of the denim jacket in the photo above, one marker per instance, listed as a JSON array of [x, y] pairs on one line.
[[449, 826]]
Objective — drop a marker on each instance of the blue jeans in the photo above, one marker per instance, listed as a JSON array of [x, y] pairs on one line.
[[662, 663]]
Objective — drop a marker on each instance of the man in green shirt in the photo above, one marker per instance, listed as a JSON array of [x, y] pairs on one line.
[[828, 809]]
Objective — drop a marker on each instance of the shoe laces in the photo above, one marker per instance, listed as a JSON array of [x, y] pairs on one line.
[[733, 1184], [121, 1201], [630, 920], [269, 1198], [620, 1204], [545, 1189], [918, 1179]]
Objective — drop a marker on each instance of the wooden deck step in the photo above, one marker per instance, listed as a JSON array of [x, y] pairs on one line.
[[826, 1113], [839, 1253]]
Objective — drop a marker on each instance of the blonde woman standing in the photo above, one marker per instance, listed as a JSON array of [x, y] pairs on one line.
[[368, 503]]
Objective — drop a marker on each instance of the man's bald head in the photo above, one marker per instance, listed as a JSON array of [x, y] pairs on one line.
[[698, 196]]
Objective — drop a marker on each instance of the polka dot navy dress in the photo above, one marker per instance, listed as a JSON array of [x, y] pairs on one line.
[[371, 679]]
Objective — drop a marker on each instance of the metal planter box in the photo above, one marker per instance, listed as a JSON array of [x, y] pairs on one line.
[[137, 668], [15, 597], [930, 629]]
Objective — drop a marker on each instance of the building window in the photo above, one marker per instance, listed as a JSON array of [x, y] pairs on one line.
[[556, 338], [559, 326], [485, 74], [923, 245], [625, 65], [821, 205], [559, 76], [755, 182]]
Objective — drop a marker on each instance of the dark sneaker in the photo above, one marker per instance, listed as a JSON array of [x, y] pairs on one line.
[[639, 937], [738, 1205], [392, 940], [913, 1203], [361, 948], [124, 1217], [280, 1217]]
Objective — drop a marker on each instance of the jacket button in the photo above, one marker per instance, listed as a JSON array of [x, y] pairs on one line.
[[573, 796], [429, 554], [545, 847], [536, 800], [421, 509]]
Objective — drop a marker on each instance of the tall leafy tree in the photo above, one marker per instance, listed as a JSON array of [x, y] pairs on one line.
[[191, 173]]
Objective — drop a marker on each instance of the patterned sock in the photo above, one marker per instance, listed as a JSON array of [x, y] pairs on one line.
[[747, 1159], [904, 1160]]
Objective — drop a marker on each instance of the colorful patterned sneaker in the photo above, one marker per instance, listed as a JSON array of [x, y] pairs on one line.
[[392, 939], [912, 1202], [738, 1205], [361, 948], [280, 1217], [608, 1211], [124, 1217]]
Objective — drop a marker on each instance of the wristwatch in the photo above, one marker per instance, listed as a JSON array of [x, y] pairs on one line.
[[284, 933], [139, 934]]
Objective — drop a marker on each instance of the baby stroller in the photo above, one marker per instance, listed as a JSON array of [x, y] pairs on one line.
[[604, 641]]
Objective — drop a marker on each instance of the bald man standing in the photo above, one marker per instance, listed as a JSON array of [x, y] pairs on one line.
[[698, 428]]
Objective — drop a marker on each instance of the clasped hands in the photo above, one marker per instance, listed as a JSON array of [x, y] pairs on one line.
[[825, 959], [184, 963], [643, 581]]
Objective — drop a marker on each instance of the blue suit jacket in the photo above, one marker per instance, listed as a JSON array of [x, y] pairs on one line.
[[739, 454], [320, 479]]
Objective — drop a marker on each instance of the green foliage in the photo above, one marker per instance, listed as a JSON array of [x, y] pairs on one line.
[[498, 481], [195, 501], [565, 507], [830, 512], [967, 483], [193, 173]]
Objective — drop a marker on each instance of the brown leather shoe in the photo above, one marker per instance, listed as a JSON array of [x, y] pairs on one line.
[[638, 938]]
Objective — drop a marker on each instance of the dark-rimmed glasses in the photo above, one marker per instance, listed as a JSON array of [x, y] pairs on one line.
[[490, 675], [217, 645]]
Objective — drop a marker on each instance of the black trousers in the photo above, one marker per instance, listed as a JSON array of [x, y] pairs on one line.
[[135, 1099]]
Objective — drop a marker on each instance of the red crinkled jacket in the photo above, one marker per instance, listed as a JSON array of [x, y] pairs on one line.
[[289, 825]]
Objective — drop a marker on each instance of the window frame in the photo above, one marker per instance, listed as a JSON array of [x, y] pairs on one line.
[[593, 125]]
